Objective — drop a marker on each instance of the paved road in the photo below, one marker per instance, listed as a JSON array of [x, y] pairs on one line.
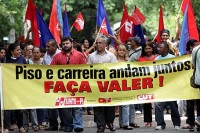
[[90, 126]]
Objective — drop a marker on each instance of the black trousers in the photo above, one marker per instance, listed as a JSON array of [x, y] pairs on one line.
[[104, 115], [190, 111], [147, 112], [7, 118]]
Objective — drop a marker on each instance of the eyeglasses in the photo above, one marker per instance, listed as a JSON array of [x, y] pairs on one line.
[[68, 59]]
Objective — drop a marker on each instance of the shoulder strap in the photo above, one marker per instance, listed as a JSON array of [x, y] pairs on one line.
[[195, 59], [135, 52]]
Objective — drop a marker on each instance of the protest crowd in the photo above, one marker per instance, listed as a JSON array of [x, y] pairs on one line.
[[103, 47]]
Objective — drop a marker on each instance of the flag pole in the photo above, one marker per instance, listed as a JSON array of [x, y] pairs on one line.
[[99, 30], [121, 26], [154, 38], [180, 9], [71, 28]]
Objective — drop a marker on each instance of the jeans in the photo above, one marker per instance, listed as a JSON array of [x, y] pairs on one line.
[[126, 115], [159, 115], [72, 117], [42, 116], [33, 115]]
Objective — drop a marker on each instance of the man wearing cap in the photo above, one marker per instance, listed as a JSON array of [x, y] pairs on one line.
[[136, 50]]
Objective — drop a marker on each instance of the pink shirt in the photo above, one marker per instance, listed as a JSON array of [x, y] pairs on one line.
[[75, 57]]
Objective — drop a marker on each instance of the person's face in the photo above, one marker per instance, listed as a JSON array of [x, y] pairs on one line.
[[2, 53], [164, 36], [16, 52], [51, 49], [100, 45], [161, 49], [121, 52], [29, 49], [148, 50], [86, 44], [36, 53], [67, 46]]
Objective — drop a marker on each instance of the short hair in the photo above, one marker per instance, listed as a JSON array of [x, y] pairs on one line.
[[165, 44], [52, 41], [190, 43], [136, 39], [66, 38], [104, 38], [164, 31]]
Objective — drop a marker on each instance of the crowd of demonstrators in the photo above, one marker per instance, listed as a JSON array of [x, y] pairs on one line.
[[101, 51]]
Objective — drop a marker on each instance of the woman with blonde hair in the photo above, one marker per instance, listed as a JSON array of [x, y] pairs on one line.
[[126, 112]]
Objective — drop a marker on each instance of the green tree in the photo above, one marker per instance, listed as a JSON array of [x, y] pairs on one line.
[[114, 9]]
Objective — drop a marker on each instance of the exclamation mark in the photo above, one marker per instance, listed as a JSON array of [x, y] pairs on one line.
[[161, 79]]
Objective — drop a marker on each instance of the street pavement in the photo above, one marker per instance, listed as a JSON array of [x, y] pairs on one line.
[[90, 126]]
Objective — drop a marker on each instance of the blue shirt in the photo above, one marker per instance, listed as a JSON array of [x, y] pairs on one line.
[[165, 57]]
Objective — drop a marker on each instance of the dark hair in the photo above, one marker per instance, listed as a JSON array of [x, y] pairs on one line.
[[150, 44], [83, 39], [52, 41], [36, 47], [136, 39], [164, 31], [2, 48], [165, 44], [11, 48], [77, 46], [190, 43], [66, 38]]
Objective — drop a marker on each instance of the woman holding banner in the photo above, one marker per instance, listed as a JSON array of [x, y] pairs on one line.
[[148, 54], [126, 112], [14, 56]]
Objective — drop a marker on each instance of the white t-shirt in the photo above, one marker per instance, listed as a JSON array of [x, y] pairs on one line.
[[197, 73]]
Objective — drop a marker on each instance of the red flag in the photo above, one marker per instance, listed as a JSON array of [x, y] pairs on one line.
[[79, 22], [54, 23], [126, 26], [161, 25], [193, 31], [184, 4], [103, 28], [137, 17], [31, 15]]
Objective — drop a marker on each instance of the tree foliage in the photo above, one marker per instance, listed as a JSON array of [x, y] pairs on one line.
[[114, 9]]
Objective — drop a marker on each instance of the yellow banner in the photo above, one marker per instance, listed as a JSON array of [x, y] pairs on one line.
[[33, 86]]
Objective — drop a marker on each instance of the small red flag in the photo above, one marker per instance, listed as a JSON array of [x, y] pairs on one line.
[[160, 26], [79, 22], [137, 17], [126, 30], [54, 23], [103, 28]]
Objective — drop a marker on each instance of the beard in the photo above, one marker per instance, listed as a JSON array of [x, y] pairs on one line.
[[67, 49]]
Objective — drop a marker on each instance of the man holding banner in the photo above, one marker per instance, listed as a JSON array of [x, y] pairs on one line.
[[103, 115], [163, 50], [72, 117]]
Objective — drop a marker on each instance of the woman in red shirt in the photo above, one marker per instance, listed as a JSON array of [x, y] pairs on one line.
[[148, 54]]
